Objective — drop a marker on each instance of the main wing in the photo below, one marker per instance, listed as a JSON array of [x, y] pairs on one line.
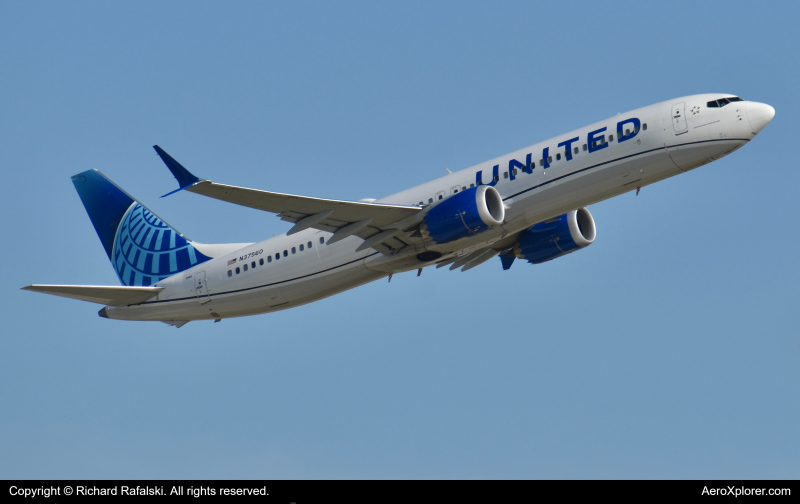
[[380, 225]]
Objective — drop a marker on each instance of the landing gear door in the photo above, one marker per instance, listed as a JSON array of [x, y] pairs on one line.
[[679, 118], [273, 296], [201, 287]]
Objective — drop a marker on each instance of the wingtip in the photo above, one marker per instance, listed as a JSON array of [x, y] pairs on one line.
[[177, 190], [184, 177]]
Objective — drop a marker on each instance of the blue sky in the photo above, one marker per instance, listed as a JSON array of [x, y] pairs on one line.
[[667, 349]]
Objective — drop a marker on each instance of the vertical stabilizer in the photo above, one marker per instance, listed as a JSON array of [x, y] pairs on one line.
[[142, 248]]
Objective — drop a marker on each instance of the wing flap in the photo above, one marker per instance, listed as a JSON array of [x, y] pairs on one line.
[[102, 294]]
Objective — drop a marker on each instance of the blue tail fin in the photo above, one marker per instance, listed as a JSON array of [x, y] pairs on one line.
[[142, 248]]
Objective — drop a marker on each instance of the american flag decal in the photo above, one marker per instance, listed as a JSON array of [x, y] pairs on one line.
[[231, 261]]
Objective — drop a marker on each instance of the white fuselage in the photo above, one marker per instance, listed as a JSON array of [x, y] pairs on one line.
[[675, 136]]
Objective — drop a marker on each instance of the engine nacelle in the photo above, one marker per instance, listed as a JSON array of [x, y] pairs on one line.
[[469, 212], [556, 237]]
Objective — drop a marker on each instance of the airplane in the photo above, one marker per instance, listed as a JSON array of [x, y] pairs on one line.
[[529, 204]]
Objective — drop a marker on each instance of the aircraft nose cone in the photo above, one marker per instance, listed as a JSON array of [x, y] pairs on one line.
[[759, 115]]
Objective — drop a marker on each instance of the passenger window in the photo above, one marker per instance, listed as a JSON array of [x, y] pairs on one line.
[[576, 150], [302, 247], [549, 159], [472, 185], [294, 250], [644, 126], [558, 157], [261, 262], [533, 165], [253, 264], [420, 203], [464, 188], [497, 178], [505, 174], [309, 244], [237, 270], [321, 240], [610, 138], [455, 191], [244, 267], [285, 253], [514, 172], [230, 273], [440, 196], [627, 132], [269, 258], [277, 256], [584, 147], [430, 200]]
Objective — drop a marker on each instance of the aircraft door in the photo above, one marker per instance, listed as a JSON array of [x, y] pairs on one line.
[[679, 118], [322, 248], [201, 287]]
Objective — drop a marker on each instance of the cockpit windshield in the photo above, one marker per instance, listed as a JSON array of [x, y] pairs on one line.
[[723, 101]]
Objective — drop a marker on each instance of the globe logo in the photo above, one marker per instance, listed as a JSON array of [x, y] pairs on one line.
[[146, 250]]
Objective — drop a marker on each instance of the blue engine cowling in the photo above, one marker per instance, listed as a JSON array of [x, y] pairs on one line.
[[556, 237], [469, 212]]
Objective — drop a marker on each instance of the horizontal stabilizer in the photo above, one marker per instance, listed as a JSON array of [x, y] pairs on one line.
[[105, 295]]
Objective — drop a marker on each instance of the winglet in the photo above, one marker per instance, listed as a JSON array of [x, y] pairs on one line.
[[182, 175]]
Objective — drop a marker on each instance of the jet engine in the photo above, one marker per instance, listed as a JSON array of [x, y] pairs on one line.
[[556, 237], [469, 212]]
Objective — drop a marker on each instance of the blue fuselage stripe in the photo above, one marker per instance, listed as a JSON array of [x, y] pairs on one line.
[[619, 159], [265, 285]]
